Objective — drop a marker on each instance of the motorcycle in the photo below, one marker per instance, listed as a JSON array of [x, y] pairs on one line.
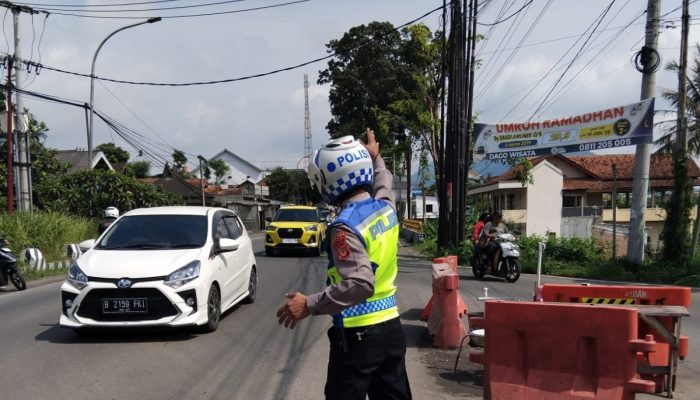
[[507, 264], [8, 267]]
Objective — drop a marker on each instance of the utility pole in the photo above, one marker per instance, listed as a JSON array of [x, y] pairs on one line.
[[441, 175], [640, 183], [10, 148], [20, 125], [202, 161], [614, 212]]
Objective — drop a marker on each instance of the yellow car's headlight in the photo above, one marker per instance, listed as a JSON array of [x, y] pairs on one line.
[[312, 228], [270, 227]]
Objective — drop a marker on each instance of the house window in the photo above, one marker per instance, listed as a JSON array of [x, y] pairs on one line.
[[510, 200], [570, 200], [428, 208], [624, 200]]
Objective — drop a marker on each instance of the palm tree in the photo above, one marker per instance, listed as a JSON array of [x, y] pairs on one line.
[[667, 142]]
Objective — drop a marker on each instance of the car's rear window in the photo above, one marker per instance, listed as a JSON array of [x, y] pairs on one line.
[[156, 232], [296, 215]]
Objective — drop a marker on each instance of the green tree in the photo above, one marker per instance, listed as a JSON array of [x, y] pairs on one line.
[[675, 230], [279, 184], [45, 164], [88, 193], [220, 169], [114, 153], [291, 186], [138, 169], [389, 81], [179, 159]]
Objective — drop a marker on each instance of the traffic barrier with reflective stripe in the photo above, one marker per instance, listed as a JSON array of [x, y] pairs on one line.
[[536, 351], [641, 295], [444, 321]]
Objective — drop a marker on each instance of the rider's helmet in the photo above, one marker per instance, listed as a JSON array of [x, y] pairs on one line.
[[339, 167], [111, 212]]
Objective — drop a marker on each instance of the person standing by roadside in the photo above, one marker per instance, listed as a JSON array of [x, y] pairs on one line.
[[367, 343], [110, 215]]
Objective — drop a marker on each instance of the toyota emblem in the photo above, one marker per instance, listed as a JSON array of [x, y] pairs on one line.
[[124, 283]]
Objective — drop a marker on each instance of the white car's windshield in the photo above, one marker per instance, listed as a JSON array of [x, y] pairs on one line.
[[296, 215], [156, 232]]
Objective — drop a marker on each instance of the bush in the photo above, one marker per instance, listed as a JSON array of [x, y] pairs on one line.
[[47, 231]]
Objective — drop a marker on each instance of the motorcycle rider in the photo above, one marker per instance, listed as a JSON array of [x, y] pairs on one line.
[[490, 232], [110, 215]]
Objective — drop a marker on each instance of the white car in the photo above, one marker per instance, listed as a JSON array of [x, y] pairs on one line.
[[161, 266]]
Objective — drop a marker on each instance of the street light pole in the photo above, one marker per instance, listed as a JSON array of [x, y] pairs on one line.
[[92, 79]]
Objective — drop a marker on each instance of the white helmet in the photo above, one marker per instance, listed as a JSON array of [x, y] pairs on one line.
[[111, 212], [339, 167]]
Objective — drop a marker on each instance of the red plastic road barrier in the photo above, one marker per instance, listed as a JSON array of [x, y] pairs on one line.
[[452, 261], [643, 295], [444, 322], [609, 294], [536, 351], [461, 305]]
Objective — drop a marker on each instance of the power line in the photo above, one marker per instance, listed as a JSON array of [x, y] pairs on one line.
[[132, 112], [506, 18], [243, 78], [573, 60], [185, 15], [614, 37], [516, 49], [218, 3], [96, 5], [512, 29]]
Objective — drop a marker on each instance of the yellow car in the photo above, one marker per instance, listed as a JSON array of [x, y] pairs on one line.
[[295, 228]]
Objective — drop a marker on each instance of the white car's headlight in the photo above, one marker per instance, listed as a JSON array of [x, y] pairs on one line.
[[77, 277], [183, 275], [312, 228]]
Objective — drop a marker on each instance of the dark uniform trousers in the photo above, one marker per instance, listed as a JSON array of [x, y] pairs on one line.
[[369, 360]]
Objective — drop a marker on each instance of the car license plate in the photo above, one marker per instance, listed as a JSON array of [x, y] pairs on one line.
[[290, 240], [124, 306]]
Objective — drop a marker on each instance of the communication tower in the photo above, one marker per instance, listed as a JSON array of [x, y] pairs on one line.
[[307, 123]]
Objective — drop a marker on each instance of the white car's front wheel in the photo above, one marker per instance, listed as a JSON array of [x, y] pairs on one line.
[[252, 287], [213, 309]]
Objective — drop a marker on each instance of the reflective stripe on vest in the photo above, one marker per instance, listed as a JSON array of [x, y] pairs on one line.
[[376, 224]]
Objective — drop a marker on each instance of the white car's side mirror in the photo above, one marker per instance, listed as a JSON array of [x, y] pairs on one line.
[[86, 245], [226, 244]]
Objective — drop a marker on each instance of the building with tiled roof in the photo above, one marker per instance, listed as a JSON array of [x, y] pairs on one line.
[[570, 186]]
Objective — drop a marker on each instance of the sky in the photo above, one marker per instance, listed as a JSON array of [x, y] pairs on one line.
[[262, 119]]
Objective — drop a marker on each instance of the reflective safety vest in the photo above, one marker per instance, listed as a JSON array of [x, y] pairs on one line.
[[376, 224]]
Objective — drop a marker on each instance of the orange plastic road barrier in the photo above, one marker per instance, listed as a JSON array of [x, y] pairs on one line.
[[536, 351], [609, 294], [641, 295], [452, 261], [444, 321], [461, 305]]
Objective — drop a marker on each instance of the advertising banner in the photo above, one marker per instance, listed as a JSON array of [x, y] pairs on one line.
[[614, 127]]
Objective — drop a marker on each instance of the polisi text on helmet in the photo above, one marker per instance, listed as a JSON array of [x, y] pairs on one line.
[[350, 157]]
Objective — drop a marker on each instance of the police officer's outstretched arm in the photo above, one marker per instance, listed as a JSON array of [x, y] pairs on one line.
[[382, 187]]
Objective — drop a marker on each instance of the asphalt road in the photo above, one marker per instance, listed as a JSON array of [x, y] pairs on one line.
[[249, 356]]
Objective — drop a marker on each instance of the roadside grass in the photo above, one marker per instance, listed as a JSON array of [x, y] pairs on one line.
[[50, 232], [580, 258]]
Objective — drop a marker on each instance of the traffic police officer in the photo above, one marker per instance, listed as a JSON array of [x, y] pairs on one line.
[[368, 347]]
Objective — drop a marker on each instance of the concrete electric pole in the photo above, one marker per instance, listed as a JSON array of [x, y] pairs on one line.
[[640, 183]]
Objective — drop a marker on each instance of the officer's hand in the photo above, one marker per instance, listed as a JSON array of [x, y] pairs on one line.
[[372, 146], [293, 311]]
